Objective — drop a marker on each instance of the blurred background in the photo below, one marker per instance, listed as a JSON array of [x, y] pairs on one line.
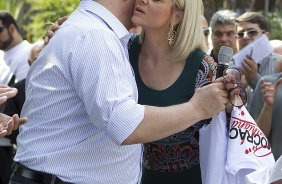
[[32, 15]]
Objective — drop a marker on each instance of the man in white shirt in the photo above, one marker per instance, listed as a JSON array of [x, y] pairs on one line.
[[5, 72], [15, 49], [81, 102], [16, 52]]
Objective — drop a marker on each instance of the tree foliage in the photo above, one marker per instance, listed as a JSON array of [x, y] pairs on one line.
[[43, 12], [269, 8], [12, 6], [32, 15], [275, 23]]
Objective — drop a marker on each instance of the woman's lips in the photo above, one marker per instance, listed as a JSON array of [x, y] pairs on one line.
[[139, 10]]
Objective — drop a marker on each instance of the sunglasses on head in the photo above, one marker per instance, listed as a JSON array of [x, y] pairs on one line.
[[250, 33], [206, 32]]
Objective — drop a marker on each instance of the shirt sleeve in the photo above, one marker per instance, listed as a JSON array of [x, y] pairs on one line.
[[257, 102], [206, 73], [253, 83], [104, 81]]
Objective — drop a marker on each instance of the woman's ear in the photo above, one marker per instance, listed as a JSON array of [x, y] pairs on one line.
[[178, 16]]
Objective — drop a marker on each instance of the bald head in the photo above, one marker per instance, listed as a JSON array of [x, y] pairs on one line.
[[277, 46]]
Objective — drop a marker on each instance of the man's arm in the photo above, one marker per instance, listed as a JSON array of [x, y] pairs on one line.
[[250, 70], [269, 92], [278, 182], [160, 122], [264, 119]]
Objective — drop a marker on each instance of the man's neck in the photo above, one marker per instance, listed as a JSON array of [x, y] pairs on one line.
[[14, 44], [117, 9]]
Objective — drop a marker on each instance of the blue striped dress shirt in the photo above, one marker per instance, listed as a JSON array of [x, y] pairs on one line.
[[81, 103]]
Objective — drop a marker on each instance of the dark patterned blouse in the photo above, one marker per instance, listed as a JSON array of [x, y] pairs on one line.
[[174, 159]]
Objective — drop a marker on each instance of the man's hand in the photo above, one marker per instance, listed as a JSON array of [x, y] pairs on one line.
[[250, 68], [211, 99], [8, 124], [52, 28], [6, 92], [269, 91]]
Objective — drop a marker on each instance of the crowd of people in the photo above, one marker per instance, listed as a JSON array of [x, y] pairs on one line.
[[225, 26], [114, 97]]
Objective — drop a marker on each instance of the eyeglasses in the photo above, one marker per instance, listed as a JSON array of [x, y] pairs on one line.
[[2, 28], [206, 31], [250, 33], [237, 95]]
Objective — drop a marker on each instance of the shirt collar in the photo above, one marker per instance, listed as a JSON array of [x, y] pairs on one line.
[[112, 21]]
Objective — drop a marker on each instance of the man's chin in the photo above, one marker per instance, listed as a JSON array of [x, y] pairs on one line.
[[3, 48], [244, 45]]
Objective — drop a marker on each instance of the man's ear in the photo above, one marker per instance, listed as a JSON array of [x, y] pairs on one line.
[[267, 34], [12, 28]]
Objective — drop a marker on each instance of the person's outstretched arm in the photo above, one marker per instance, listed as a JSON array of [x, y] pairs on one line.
[[164, 121], [269, 92]]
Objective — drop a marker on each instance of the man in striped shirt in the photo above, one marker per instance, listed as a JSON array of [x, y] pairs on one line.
[[85, 125]]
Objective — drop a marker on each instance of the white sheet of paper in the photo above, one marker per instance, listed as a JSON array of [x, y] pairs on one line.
[[261, 49]]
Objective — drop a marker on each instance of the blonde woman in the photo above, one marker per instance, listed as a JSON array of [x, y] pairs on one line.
[[169, 64]]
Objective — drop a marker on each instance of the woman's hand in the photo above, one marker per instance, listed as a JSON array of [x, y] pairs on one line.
[[52, 28]]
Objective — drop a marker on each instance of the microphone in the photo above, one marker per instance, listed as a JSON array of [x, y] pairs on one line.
[[225, 55]]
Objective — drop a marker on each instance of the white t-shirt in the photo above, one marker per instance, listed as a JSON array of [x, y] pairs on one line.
[[17, 59], [266, 175], [227, 155], [5, 72], [213, 147], [248, 148]]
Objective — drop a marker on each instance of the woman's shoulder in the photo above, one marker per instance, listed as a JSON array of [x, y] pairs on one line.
[[206, 59], [207, 63], [206, 72]]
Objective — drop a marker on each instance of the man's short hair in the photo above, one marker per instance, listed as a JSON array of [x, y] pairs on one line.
[[7, 19], [223, 17], [255, 18]]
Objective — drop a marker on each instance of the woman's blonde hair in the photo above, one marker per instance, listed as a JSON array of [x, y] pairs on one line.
[[189, 33]]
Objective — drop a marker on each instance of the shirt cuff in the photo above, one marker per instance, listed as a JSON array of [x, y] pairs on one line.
[[254, 81], [125, 118]]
